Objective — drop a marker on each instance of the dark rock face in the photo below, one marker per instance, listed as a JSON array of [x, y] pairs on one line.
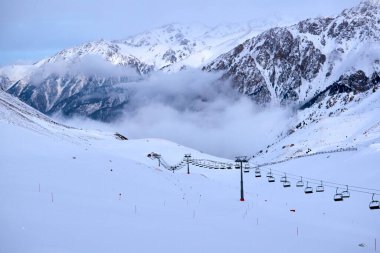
[[271, 65], [314, 26], [170, 56], [94, 97], [359, 22], [282, 64], [357, 82]]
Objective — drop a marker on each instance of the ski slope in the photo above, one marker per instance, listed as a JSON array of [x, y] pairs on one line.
[[70, 190]]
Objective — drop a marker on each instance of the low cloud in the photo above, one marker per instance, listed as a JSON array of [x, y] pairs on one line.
[[193, 108]]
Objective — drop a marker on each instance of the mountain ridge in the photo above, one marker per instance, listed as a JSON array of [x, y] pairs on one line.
[[287, 65]]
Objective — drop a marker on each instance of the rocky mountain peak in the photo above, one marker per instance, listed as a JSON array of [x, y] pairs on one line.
[[366, 7], [375, 3], [292, 64]]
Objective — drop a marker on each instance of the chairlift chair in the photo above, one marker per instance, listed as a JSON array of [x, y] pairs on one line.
[[308, 189], [338, 196], [229, 167], [300, 183], [246, 168], [283, 179], [286, 184], [270, 177], [320, 188], [346, 193], [374, 204], [257, 172], [237, 166]]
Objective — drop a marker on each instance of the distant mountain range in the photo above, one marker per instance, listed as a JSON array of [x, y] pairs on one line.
[[302, 65]]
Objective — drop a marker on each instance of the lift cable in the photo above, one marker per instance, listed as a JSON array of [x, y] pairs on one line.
[[218, 164]]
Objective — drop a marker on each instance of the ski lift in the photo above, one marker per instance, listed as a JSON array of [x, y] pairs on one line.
[[308, 189], [237, 166], [338, 196], [286, 182], [246, 168], [229, 166], [374, 204], [270, 177], [222, 167], [283, 179], [257, 172], [320, 188], [346, 193], [300, 183]]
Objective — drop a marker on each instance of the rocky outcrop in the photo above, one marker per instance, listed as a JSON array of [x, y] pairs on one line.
[[89, 96], [293, 64], [271, 65], [350, 83]]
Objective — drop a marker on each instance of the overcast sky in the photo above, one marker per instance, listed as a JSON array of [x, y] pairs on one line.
[[33, 29]]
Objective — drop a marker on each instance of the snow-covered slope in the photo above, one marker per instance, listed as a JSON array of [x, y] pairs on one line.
[[70, 190], [340, 121]]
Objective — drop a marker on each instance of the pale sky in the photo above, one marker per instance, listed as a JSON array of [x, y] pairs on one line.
[[34, 29]]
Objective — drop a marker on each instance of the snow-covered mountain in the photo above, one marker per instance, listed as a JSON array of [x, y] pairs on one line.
[[297, 65], [81, 80], [299, 62]]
